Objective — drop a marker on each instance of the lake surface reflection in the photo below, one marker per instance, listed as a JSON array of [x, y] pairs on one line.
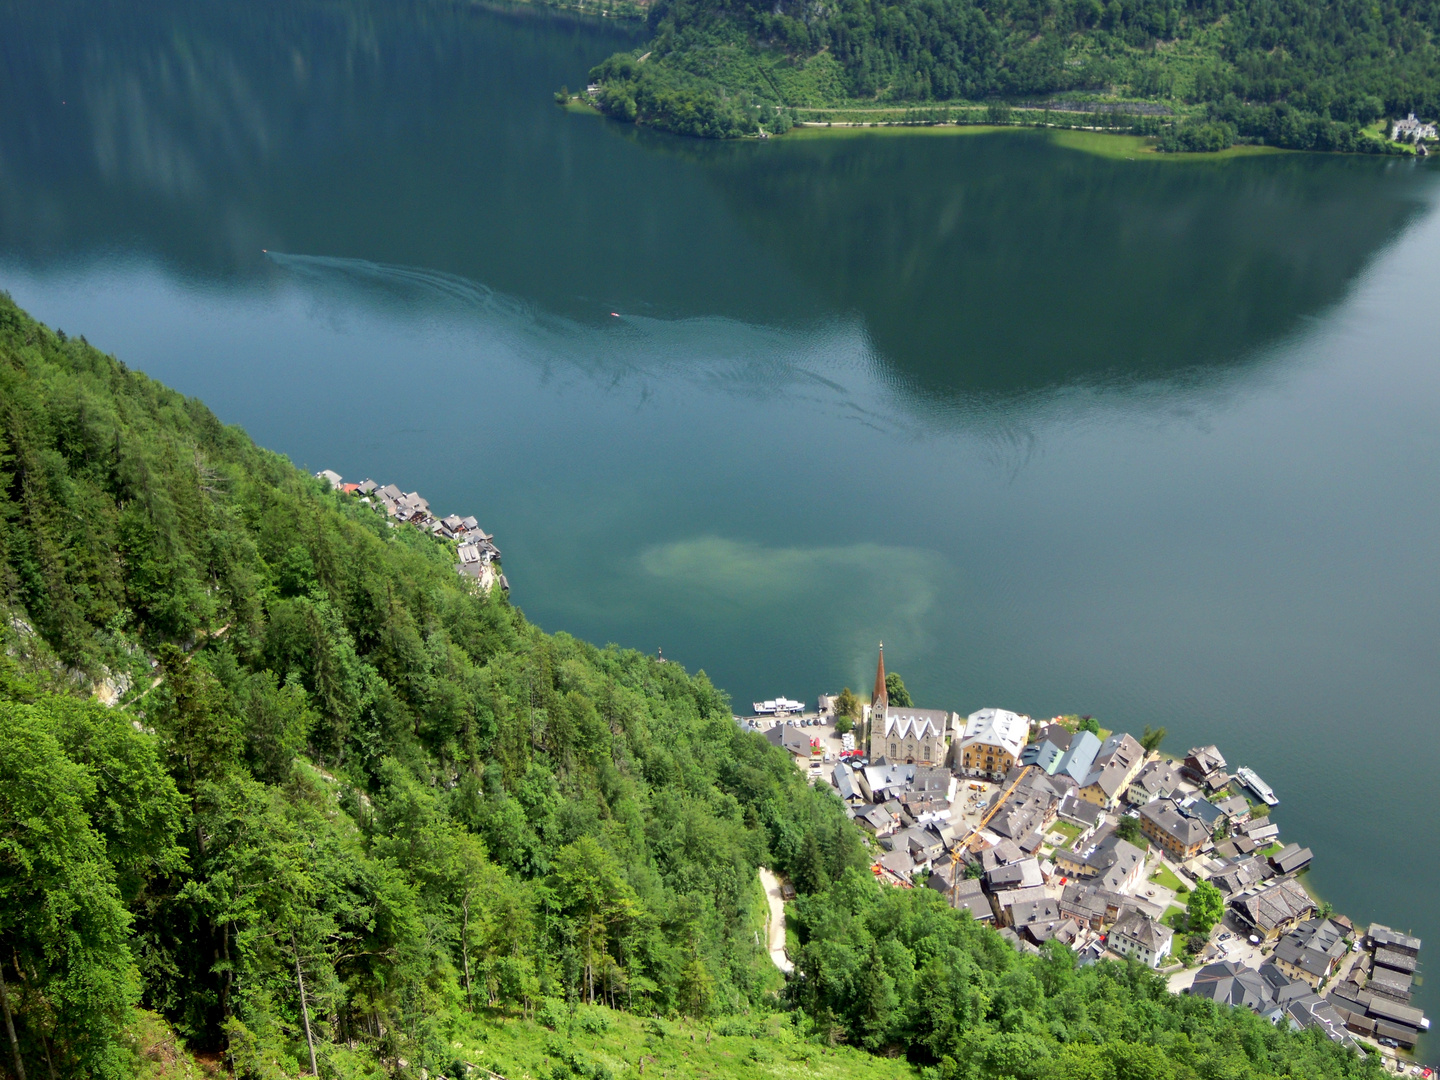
[[1151, 440]]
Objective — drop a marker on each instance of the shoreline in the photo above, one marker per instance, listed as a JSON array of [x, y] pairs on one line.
[[893, 120], [1238, 850], [1119, 145]]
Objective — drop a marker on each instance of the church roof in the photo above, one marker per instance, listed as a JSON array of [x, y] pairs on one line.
[[915, 723]]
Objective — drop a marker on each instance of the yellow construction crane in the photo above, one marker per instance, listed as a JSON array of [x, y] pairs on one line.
[[995, 809]]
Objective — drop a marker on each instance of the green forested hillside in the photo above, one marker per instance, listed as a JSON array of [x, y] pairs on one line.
[[1298, 73], [350, 818]]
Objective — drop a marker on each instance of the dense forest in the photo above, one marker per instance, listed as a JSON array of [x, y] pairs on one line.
[[346, 817], [1307, 74]]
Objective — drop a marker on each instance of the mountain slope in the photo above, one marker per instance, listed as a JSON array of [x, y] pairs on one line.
[[1307, 74]]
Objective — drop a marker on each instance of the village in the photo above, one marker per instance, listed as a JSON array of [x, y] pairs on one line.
[[1060, 831], [479, 558]]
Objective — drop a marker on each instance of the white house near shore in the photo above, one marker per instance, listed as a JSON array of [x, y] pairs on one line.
[[1411, 130]]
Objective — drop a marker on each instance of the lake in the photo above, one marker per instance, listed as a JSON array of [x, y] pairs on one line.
[[1153, 440]]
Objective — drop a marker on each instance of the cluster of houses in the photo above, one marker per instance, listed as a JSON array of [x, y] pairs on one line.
[[1024, 824], [1045, 861], [475, 548], [1323, 973]]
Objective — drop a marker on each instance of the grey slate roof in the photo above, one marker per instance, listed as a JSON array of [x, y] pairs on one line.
[[1034, 911], [1020, 875], [1204, 760], [1291, 858], [1174, 822], [1236, 806], [1313, 946], [1157, 778], [1273, 905], [1079, 812], [1144, 931], [1204, 811], [1396, 960], [1383, 936], [1108, 771], [1084, 903], [877, 817], [1114, 861], [1262, 830], [1311, 1010], [898, 862], [1393, 984], [966, 895], [1007, 851], [789, 737], [844, 782], [1241, 874], [1229, 983], [1045, 754], [1084, 748]]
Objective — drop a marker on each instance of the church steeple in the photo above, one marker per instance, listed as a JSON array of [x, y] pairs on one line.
[[878, 702]]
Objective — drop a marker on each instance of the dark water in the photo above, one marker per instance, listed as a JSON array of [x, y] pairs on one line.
[[1151, 440]]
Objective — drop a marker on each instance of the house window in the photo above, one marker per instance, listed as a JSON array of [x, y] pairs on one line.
[[893, 750]]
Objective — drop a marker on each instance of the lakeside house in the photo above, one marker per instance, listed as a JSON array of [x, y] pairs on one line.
[[1311, 951], [1206, 766], [1047, 748], [1412, 130], [1273, 909], [991, 743], [1236, 875], [1291, 859], [1118, 763], [790, 739]]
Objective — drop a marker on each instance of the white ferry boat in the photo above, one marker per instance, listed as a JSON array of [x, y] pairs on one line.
[[778, 707], [1250, 779]]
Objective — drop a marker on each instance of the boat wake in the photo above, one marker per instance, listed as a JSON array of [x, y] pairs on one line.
[[813, 362]]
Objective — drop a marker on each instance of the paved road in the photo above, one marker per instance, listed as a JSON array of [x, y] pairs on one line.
[[775, 924]]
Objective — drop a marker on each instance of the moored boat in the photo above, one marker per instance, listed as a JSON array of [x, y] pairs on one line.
[[1251, 779]]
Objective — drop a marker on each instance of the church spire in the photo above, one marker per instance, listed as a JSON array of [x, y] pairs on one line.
[[878, 702]]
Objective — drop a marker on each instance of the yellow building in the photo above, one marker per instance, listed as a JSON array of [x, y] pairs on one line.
[[991, 743], [1120, 760]]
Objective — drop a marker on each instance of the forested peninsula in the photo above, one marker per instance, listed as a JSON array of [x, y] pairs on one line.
[[348, 815], [1197, 74]]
